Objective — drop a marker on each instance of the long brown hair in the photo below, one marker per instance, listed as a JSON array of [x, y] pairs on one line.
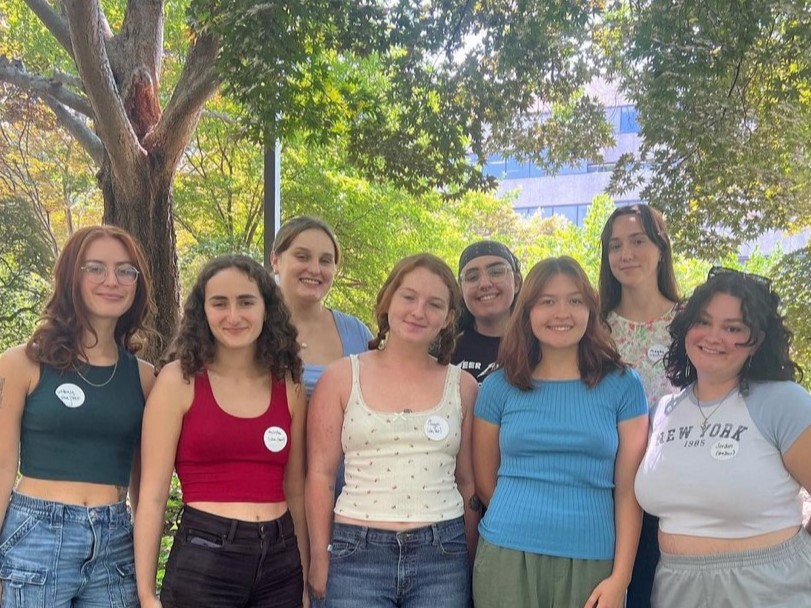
[[654, 225], [57, 341], [276, 347], [520, 351], [446, 340]]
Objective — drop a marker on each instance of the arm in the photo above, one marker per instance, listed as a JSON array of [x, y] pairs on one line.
[[798, 462], [633, 437], [324, 424], [17, 375], [486, 458], [294, 472], [163, 420], [464, 464], [147, 373]]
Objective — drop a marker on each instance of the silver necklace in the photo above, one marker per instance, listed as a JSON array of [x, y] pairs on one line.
[[93, 384], [706, 424]]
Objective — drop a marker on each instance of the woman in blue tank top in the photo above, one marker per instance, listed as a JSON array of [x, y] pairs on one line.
[[71, 403], [558, 433], [227, 414]]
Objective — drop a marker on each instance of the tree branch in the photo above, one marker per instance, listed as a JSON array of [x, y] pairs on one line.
[[53, 21], [197, 83], [90, 54], [86, 138], [14, 72]]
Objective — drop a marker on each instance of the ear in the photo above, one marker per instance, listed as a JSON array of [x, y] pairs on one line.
[[274, 261]]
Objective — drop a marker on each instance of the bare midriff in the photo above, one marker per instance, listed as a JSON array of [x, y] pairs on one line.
[[243, 511], [394, 526], [78, 493], [682, 544]]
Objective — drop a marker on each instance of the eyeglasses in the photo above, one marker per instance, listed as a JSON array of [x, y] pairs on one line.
[[496, 273], [125, 274], [757, 278]]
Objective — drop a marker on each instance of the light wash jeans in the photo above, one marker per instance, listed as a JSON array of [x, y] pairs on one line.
[[54, 555]]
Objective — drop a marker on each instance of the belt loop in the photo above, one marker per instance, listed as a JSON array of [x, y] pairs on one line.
[[280, 536], [363, 532], [232, 531], [57, 514], [435, 532]]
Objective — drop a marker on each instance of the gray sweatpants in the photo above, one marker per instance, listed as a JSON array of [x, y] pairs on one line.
[[775, 577]]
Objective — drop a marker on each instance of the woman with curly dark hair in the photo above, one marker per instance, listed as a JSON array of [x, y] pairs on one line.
[[558, 432], [227, 413], [403, 418], [729, 453], [71, 404]]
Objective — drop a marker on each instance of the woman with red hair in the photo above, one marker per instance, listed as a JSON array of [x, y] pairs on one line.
[[71, 403]]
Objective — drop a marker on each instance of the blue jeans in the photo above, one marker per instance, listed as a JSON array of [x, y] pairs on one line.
[[54, 555], [421, 568]]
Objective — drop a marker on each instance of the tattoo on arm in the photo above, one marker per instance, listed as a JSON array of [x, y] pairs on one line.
[[474, 504]]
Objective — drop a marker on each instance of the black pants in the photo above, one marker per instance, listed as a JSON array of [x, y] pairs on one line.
[[217, 562], [647, 556]]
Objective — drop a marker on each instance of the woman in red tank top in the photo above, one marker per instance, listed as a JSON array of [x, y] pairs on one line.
[[227, 414]]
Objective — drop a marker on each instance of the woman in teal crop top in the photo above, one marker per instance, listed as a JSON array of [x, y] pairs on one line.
[[71, 403], [404, 418], [228, 404]]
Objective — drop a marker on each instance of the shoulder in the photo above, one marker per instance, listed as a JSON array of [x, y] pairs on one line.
[[350, 321], [147, 373], [15, 358], [18, 369], [171, 377], [337, 372], [627, 378]]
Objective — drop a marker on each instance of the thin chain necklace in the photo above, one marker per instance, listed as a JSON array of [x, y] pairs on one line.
[[706, 424], [93, 384]]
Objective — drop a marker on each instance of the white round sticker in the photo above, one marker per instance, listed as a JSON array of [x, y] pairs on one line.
[[275, 439], [656, 352], [724, 449], [436, 428], [70, 394]]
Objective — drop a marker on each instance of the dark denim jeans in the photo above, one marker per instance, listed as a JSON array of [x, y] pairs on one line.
[[54, 555], [421, 568], [217, 562]]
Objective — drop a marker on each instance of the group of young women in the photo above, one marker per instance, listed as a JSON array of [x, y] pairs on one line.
[[579, 407]]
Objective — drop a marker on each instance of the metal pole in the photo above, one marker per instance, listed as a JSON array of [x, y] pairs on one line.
[[272, 203]]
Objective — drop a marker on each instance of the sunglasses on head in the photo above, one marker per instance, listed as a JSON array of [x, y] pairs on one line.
[[757, 278]]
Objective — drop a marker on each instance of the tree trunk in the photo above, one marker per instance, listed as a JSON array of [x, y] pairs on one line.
[[147, 215]]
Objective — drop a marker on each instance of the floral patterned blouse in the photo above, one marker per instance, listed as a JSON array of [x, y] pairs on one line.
[[642, 345]]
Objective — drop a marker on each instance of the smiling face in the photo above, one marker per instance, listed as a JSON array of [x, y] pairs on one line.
[[234, 309], [632, 256], [419, 307], [716, 342], [560, 315], [488, 287], [307, 267], [109, 299]]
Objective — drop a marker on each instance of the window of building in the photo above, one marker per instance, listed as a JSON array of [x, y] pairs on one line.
[[628, 120]]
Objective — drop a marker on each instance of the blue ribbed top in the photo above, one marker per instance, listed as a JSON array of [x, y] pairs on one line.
[[558, 441]]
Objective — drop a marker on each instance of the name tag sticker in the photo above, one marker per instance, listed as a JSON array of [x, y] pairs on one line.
[[70, 394], [275, 439], [656, 352], [436, 428], [724, 449]]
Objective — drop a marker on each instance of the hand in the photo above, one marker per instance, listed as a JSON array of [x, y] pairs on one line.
[[151, 602], [317, 579], [610, 593]]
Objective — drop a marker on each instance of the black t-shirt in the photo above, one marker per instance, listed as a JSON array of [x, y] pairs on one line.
[[476, 353]]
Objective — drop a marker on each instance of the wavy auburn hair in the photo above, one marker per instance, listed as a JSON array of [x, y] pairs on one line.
[[57, 340], [276, 347], [653, 223], [446, 340], [520, 351]]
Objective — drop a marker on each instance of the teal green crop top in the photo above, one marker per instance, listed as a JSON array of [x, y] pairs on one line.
[[74, 431]]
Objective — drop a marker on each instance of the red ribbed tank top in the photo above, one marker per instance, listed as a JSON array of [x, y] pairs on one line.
[[225, 458]]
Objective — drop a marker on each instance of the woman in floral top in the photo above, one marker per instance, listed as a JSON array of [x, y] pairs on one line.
[[638, 299]]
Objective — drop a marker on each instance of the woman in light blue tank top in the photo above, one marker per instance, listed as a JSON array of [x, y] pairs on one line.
[[71, 403]]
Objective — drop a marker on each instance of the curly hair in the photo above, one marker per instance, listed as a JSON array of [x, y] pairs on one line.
[[276, 347], [760, 307], [654, 225], [446, 340], [520, 351], [295, 226], [65, 320]]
